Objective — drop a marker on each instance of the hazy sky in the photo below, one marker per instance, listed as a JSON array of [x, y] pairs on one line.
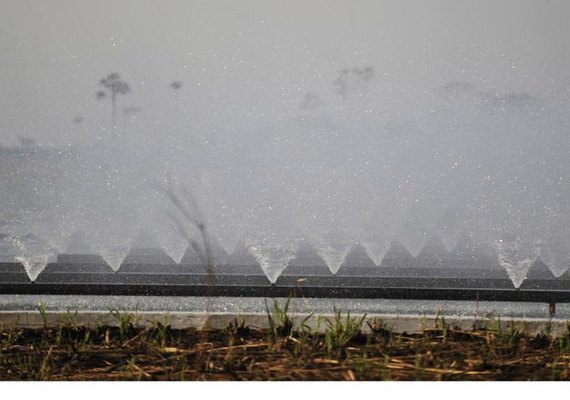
[[245, 59], [463, 128]]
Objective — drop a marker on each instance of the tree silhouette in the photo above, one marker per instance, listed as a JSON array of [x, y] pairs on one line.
[[353, 81], [176, 86], [114, 85]]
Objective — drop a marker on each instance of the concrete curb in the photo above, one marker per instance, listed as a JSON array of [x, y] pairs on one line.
[[211, 321]]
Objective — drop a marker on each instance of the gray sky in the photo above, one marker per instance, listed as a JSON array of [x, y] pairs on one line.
[[256, 59]]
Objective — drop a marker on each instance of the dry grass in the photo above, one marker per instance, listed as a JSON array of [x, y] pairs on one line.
[[341, 352]]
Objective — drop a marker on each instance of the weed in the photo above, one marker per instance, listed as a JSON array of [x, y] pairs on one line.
[[280, 324], [557, 368], [563, 342], [236, 329], [440, 324], [342, 351], [10, 337], [304, 329], [493, 323], [45, 365], [423, 322], [159, 332], [68, 318], [41, 307], [87, 336], [385, 373], [513, 336], [419, 366], [136, 370], [65, 324], [126, 321], [381, 329], [342, 330]]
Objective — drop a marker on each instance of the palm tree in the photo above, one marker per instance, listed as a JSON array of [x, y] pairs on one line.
[[176, 86], [115, 86]]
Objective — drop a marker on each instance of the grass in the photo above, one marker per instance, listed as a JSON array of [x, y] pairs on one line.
[[280, 324], [126, 321], [342, 331], [342, 350]]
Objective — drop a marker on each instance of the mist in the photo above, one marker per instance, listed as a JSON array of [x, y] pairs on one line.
[[336, 124]]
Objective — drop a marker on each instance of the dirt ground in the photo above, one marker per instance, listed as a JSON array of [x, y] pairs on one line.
[[339, 351]]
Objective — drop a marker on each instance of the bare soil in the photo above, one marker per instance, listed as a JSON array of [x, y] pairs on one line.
[[130, 352]]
